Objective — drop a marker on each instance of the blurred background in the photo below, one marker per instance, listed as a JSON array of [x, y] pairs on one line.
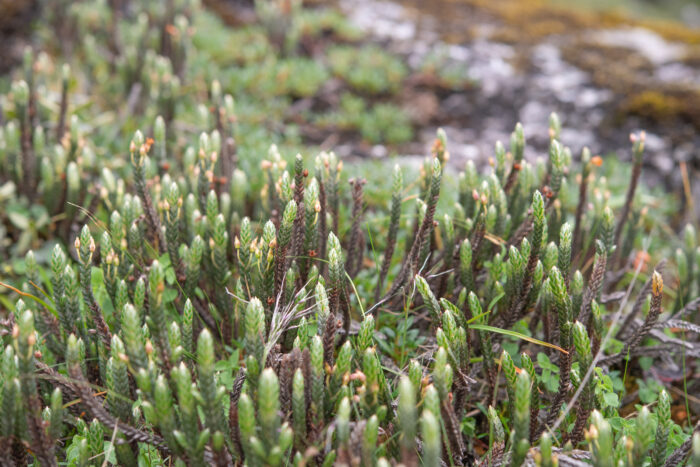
[[474, 67]]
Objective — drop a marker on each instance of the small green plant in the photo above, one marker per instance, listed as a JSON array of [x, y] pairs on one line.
[[380, 123], [369, 70], [448, 74], [325, 21]]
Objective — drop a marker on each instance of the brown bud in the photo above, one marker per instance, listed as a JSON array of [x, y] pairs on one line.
[[657, 284]]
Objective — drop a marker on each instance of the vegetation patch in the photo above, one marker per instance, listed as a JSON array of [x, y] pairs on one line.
[[185, 282], [368, 69]]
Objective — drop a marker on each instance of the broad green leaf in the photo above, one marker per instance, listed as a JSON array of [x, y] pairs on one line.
[[611, 399]]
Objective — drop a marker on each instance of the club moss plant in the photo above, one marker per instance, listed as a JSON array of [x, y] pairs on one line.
[[184, 289]]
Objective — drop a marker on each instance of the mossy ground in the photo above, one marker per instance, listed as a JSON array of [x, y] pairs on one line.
[[626, 72]]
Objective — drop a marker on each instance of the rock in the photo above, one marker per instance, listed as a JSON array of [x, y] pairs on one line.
[[643, 41]]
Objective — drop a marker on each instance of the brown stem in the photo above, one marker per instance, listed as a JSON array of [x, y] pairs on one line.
[[322, 228], [595, 284], [354, 257], [152, 218], [390, 245], [410, 265], [627, 324], [299, 228], [512, 178], [28, 158], [280, 270], [632, 187], [332, 325], [649, 322], [61, 126], [582, 194], [564, 380]]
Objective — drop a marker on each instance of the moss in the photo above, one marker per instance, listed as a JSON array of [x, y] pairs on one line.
[[438, 70], [531, 32], [537, 19], [692, 57], [672, 31], [369, 69], [319, 23], [612, 67], [668, 106], [251, 43], [653, 105], [379, 123], [627, 74]]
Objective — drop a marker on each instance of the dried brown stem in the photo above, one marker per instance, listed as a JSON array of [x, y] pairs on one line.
[[582, 195], [354, 252]]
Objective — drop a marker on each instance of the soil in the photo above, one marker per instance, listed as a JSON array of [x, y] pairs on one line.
[[15, 29]]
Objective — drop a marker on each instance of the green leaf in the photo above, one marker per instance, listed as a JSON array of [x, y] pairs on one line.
[[544, 363], [33, 297], [551, 382], [110, 454], [19, 216], [506, 332], [100, 291], [170, 276], [617, 423], [181, 439], [169, 295], [495, 300], [164, 260], [202, 440], [7, 190], [611, 399], [648, 390]]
